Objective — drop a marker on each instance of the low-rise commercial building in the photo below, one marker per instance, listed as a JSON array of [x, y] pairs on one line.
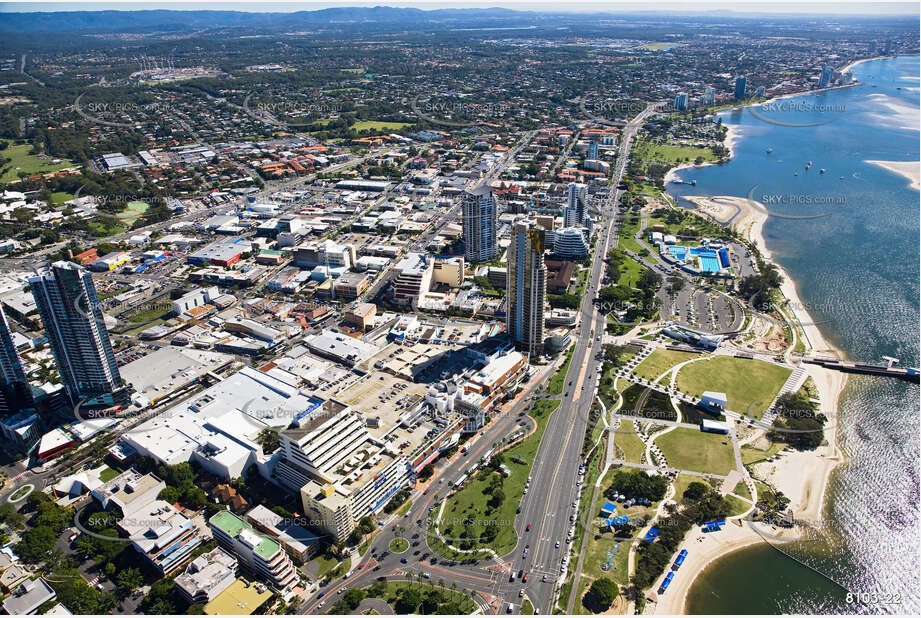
[[207, 576], [259, 554]]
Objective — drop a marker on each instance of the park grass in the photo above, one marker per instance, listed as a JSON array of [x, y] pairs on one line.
[[59, 197], [527, 608], [399, 545], [555, 386], [750, 384], [22, 161], [392, 590], [626, 231], [674, 154], [142, 317], [691, 449], [741, 489], [378, 125], [660, 360], [353, 70], [752, 455], [133, 211], [578, 608], [108, 474], [470, 502], [681, 484], [326, 564], [100, 229], [737, 506], [596, 554], [631, 271], [629, 444]]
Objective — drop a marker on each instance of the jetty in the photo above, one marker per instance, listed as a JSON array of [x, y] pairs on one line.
[[887, 369]]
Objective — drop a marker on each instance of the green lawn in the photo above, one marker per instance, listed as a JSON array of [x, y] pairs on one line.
[[751, 454], [527, 609], [741, 489], [670, 153], [59, 197], [738, 506], [108, 474], [378, 125], [750, 385], [631, 270], [681, 484], [626, 231], [469, 504], [22, 161], [661, 360], [692, 449], [326, 564], [399, 545], [133, 212], [629, 443], [555, 386], [146, 316], [405, 508]]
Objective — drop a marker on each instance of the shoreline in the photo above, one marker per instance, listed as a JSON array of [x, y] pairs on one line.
[[802, 475], [909, 170]]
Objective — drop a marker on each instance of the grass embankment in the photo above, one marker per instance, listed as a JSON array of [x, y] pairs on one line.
[[555, 386], [466, 515], [750, 384], [692, 449], [630, 447], [661, 360]]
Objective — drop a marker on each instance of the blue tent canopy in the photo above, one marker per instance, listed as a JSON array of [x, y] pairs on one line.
[[609, 507]]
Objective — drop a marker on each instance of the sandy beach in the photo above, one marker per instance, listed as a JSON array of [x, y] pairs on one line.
[[908, 169]]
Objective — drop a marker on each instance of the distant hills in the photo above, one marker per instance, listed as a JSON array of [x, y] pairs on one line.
[[132, 21]]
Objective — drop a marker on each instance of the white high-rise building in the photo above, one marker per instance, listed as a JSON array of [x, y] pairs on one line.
[[479, 222], [526, 286], [574, 211]]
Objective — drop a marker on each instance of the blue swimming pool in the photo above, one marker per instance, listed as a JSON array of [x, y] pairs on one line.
[[679, 253], [709, 264]]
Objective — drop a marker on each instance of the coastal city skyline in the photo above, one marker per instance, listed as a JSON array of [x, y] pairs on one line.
[[419, 308]]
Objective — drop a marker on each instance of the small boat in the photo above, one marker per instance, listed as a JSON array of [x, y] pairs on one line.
[[780, 160], [770, 150], [840, 177], [822, 171], [796, 173], [808, 165]]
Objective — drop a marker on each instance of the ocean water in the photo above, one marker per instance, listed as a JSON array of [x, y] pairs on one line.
[[849, 238]]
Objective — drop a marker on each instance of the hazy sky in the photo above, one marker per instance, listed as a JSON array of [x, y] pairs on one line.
[[690, 6]]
